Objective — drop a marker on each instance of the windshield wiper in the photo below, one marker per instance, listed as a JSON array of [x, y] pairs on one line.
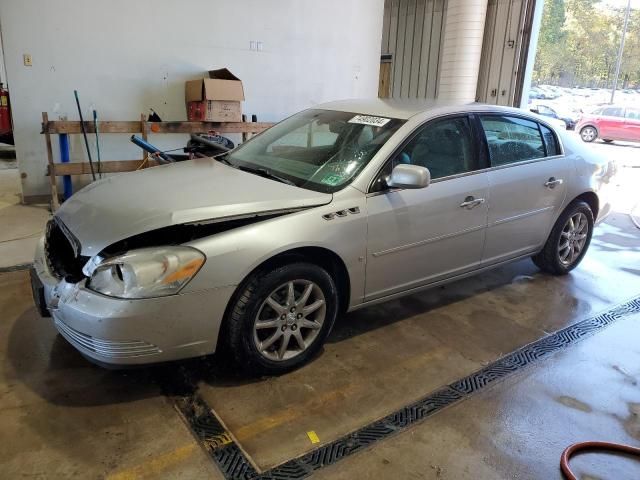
[[263, 172], [223, 158]]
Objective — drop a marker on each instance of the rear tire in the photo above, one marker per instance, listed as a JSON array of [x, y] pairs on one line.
[[568, 241], [607, 140], [588, 134], [295, 303]]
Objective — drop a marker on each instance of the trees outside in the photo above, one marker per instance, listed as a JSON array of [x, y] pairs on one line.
[[579, 42]]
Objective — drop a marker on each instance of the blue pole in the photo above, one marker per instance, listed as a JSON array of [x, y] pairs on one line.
[[64, 158]]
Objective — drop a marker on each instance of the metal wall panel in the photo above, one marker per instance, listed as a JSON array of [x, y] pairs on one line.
[[412, 34], [501, 51]]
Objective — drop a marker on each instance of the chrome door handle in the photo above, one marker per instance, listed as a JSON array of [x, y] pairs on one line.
[[552, 182], [471, 202]]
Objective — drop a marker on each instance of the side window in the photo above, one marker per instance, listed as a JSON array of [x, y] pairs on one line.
[[550, 141], [443, 146], [613, 112], [545, 110], [633, 113], [512, 139]]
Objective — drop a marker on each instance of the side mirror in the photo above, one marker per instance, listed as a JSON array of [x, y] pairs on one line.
[[409, 176]]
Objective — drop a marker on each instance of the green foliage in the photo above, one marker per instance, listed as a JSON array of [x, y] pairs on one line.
[[579, 41]]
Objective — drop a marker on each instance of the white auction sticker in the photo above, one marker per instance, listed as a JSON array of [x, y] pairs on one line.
[[370, 120]]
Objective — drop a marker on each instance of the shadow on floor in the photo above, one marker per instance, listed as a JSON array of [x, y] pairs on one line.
[[53, 369], [38, 356]]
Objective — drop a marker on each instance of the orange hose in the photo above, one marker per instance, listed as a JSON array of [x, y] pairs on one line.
[[577, 447]]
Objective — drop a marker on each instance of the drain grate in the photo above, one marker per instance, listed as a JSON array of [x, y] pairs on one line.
[[235, 465]]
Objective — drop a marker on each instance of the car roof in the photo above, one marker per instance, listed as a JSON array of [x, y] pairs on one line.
[[405, 109]]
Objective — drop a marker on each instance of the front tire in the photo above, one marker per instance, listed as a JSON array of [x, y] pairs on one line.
[[568, 241], [588, 134], [281, 318]]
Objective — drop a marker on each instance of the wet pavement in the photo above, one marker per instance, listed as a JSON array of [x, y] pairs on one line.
[[518, 428], [61, 416], [384, 357]]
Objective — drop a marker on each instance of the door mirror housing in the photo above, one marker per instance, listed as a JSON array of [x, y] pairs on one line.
[[409, 176]]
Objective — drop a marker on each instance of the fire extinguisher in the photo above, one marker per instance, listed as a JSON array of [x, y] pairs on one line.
[[5, 113]]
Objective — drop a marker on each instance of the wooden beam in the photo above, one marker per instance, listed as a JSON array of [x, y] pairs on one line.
[[67, 126], [54, 183], [113, 166], [204, 127]]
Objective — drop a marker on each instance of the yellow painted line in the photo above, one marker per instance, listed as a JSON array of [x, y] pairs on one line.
[[218, 441], [313, 436], [321, 402], [156, 465], [317, 403]]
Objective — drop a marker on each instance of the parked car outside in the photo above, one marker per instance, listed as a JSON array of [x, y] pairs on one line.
[[549, 91], [535, 93], [256, 252], [548, 111], [610, 123]]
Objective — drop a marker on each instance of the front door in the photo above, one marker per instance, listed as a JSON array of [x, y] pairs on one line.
[[527, 185], [416, 237]]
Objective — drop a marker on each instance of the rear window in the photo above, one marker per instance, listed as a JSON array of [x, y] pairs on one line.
[[550, 141], [633, 113], [512, 139]]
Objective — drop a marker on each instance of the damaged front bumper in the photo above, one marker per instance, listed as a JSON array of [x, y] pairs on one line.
[[115, 331]]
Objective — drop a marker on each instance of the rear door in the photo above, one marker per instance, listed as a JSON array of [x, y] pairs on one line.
[[527, 185]]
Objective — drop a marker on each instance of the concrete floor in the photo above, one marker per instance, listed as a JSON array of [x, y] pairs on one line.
[[61, 416], [518, 428], [21, 225]]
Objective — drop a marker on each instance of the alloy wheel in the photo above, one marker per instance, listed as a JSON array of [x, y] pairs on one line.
[[573, 238], [289, 320], [588, 134]]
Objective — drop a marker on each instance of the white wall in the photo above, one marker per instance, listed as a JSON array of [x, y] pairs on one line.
[[126, 56]]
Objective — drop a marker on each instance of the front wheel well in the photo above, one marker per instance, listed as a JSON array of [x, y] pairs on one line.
[[323, 258], [319, 256], [590, 125]]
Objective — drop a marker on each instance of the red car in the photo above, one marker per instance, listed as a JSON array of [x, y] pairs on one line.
[[610, 123]]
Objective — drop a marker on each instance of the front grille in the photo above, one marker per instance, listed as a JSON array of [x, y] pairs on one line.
[[106, 348], [62, 253]]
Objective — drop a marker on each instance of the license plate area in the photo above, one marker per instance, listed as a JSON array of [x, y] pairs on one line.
[[37, 290]]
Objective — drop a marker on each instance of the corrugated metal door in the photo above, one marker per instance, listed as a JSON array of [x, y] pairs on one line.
[[412, 35], [501, 51]]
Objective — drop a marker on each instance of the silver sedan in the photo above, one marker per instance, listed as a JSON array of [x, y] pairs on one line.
[[335, 208]]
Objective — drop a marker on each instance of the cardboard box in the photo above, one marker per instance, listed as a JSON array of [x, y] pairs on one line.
[[215, 99]]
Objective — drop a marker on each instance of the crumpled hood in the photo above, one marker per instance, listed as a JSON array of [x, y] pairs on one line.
[[119, 207]]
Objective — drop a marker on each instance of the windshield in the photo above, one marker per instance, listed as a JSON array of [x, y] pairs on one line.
[[322, 150]]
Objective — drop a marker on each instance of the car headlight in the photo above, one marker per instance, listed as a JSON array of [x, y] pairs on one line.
[[145, 273]]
